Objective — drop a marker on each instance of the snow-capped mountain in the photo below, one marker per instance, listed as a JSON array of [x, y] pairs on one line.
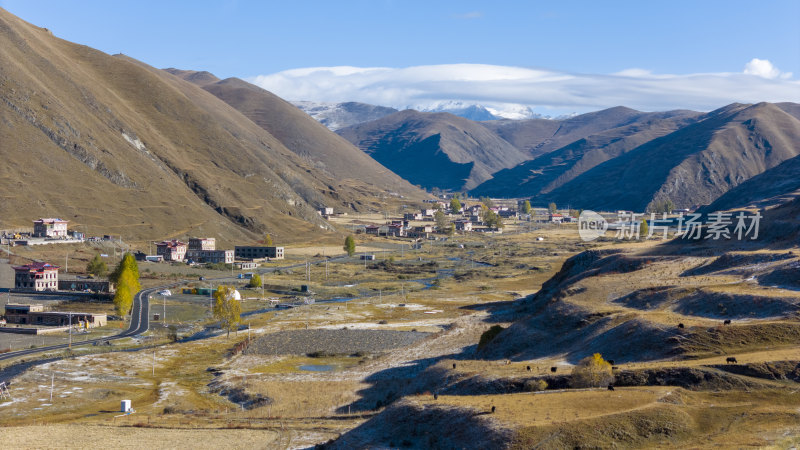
[[341, 115]]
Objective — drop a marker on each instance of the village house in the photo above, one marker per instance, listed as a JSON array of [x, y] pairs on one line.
[[412, 216], [202, 244], [210, 256], [506, 213], [36, 315], [555, 218], [372, 229], [325, 211], [421, 232], [428, 212], [36, 276], [52, 228], [173, 250], [463, 225], [396, 230], [258, 252], [85, 284]]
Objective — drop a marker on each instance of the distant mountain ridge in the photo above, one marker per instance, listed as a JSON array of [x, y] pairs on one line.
[[434, 150]]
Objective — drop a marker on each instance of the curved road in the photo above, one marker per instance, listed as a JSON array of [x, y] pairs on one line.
[[139, 324], [140, 314]]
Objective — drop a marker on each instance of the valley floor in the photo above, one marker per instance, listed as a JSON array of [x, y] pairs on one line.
[[435, 386]]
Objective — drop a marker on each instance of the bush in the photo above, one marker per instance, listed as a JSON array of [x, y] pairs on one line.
[[535, 385], [592, 371], [489, 335]]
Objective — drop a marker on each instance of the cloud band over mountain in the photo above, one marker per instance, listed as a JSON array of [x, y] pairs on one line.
[[542, 90]]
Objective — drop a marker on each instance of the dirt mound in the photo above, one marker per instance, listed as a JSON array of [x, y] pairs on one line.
[[773, 370], [407, 425], [558, 328], [786, 276], [692, 378], [734, 306], [644, 428], [722, 340], [739, 263]]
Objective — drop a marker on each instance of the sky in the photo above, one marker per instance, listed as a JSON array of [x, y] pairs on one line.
[[555, 56]]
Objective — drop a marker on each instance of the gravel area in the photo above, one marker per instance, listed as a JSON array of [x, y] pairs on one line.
[[332, 341]]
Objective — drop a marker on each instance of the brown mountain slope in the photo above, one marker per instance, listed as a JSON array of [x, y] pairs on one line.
[[693, 165], [554, 169], [772, 187], [540, 136], [321, 147], [434, 149], [116, 146]]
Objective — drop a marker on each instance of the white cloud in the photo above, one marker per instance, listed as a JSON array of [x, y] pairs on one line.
[[544, 91], [764, 68]]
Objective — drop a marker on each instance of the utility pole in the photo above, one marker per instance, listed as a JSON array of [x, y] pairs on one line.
[[70, 332], [154, 363], [52, 378]]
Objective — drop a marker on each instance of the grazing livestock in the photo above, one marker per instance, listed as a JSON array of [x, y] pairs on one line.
[[454, 365], [731, 360], [553, 369], [493, 409], [529, 368], [614, 367], [680, 325], [610, 387], [727, 322], [436, 396]]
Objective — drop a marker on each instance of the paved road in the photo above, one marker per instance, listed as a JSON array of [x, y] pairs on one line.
[[139, 324], [140, 313]]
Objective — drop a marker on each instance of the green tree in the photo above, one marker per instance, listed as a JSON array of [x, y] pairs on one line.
[[643, 228], [455, 205], [552, 208], [592, 371], [227, 309], [526, 207], [487, 202], [349, 245], [441, 221], [97, 266], [268, 240], [255, 281]]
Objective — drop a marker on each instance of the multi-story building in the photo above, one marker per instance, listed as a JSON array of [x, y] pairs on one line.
[[210, 256], [50, 228], [36, 276], [258, 252], [173, 250], [202, 244]]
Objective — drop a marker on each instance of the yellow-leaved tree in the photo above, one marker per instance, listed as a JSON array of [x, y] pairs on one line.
[[227, 308], [592, 371], [126, 278]]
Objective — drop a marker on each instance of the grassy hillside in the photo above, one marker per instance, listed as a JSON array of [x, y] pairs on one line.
[[320, 147], [118, 147]]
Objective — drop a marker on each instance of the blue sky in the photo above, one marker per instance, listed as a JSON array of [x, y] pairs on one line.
[[248, 39]]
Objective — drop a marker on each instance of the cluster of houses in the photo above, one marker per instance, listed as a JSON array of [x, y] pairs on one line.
[[204, 251], [467, 219]]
